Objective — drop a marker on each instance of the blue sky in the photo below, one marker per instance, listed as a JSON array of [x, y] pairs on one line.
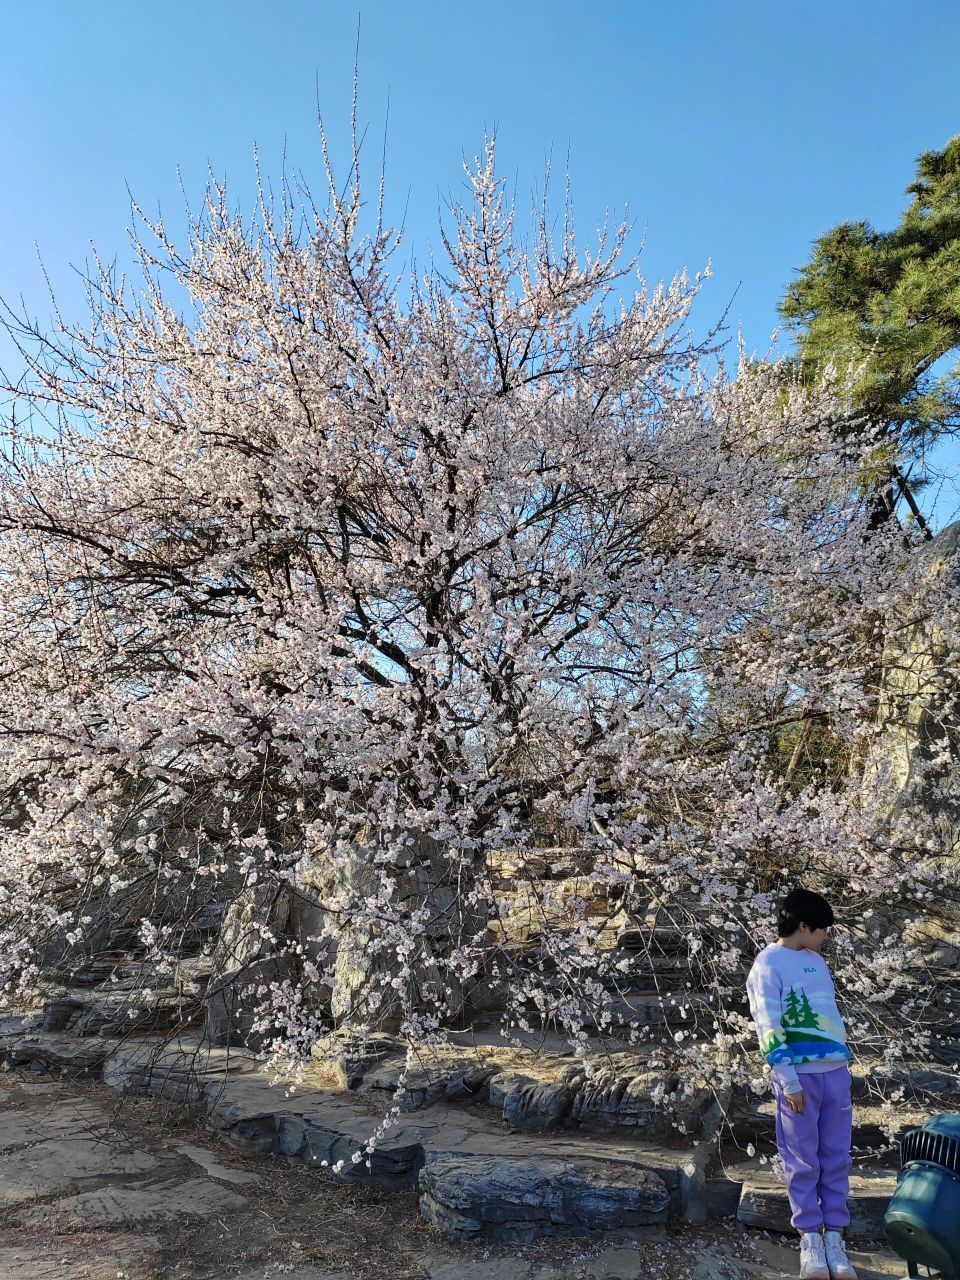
[[735, 132]]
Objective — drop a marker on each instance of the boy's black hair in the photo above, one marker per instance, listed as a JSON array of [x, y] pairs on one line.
[[803, 906]]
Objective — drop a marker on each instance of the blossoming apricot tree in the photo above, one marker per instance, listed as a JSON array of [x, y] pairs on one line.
[[322, 580]]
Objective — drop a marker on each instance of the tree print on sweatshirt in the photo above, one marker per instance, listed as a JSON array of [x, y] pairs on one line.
[[807, 1035], [797, 1011]]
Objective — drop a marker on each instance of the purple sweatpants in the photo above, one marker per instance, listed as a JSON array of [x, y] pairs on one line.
[[815, 1148]]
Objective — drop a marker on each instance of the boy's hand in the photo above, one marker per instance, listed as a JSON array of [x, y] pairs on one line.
[[796, 1101]]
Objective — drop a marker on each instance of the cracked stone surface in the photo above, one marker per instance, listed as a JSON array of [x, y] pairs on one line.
[[47, 1168], [171, 1199], [20, 1127], [209, 1163]]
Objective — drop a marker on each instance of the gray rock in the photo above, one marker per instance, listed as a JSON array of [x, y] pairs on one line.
[[244, 1112], [722, 1196], [196, 1198], [57, 1052], [248, 953], [418, 1086], [60, 1012], [14, 1024], [115, 1012], [210, 917], [192, 973], [52, 1166], [311, 1127], [692, 1188], [336, 1135], [178, 1070], [764, 1203], [906, 779], [519, 1199], [344, 1059], [529, 1104], [622, 1095], [363, 957]]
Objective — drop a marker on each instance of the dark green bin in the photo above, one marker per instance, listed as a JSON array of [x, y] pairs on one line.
[[923, 1218]]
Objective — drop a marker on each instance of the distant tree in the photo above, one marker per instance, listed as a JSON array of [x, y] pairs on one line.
[[888, 302]]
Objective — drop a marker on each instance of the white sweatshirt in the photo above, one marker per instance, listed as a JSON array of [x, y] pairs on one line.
[[795, 1008]]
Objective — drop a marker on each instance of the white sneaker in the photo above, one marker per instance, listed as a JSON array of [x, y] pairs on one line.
[[837, 1260], [813, 1260]]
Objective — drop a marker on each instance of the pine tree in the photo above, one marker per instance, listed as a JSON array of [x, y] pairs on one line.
[[889, 301], [791, 1015], [806, 1016]]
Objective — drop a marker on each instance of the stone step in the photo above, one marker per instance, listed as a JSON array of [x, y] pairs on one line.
[[610, 1168], [57, 1052], [179, 1070], [119, 969], [676, 1009], [315, 1128], [870, 1125], [515, 1200], [92, 1011], [532, 1092], [764, 1203], [664, 940], [675, 962], [193, 973]]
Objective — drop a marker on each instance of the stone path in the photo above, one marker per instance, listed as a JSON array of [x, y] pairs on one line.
[[95, 1188]]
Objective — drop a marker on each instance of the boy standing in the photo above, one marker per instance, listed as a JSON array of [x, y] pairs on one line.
[[803, 1039]]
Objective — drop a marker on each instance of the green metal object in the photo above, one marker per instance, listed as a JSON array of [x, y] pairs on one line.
[[923, 1218]]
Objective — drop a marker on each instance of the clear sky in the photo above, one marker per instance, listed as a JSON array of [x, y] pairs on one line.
[[735, 131]]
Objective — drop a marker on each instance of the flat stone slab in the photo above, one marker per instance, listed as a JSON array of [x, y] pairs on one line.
[[55, 1120], [483, 1139], [518, 1199], [14, 1024], [196, 1197], [764, 1202], [335, 1139], [214, 1168], [780, 1260], [57, 1052], [314, 1128], [244, 1110], [178, 1070], [51, 1167]]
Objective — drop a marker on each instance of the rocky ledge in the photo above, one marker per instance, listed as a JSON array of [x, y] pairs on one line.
[[501, 1144]]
